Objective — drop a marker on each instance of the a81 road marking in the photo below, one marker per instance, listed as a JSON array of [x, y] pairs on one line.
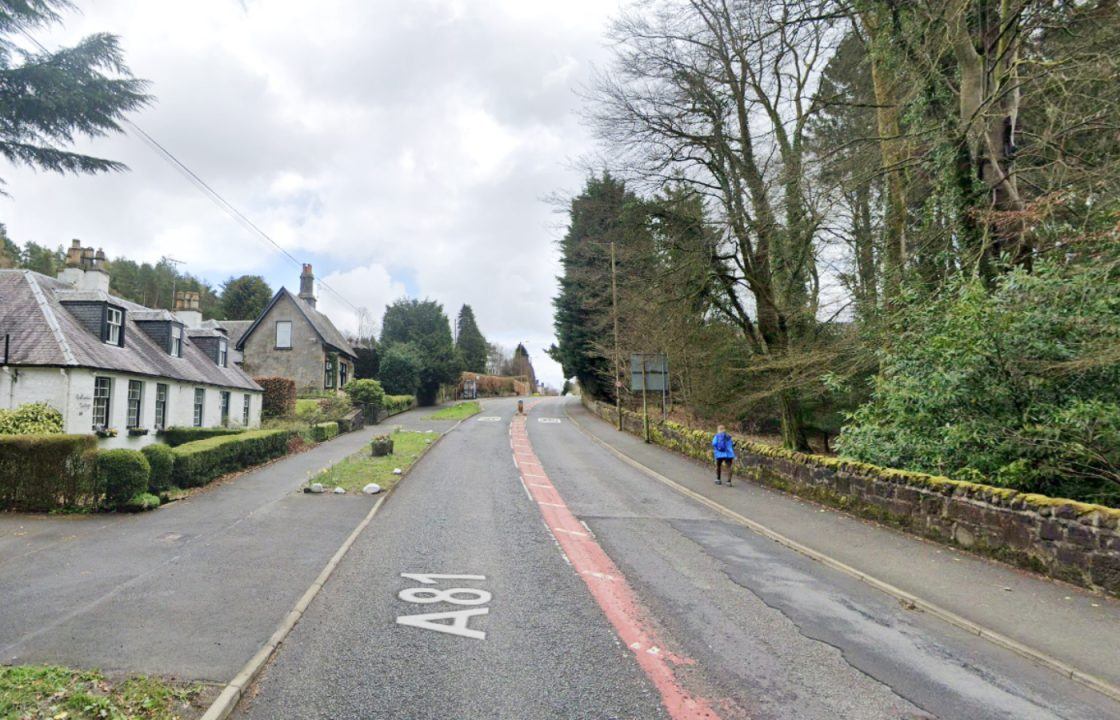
[[454, 622], [548, 420], [489, 418]]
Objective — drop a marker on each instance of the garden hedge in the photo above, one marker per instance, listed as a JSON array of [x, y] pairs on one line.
[[279, 396], [121, 475], [47, 472], [175, 436], [162, 460], [197, 463], [324, 431], [394, 404]]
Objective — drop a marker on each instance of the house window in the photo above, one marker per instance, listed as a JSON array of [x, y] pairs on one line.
[[114, 319], [223, 353], [102, 396], [176, 341], [283, 334], [161, 406], [135, 401], [328, 374], [224, 395], [199, 399], [245, 409], [342, 374]]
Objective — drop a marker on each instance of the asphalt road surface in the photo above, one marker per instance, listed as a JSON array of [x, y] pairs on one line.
[[595, 592]]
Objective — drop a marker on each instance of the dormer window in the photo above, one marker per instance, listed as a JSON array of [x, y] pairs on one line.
[[223, 352], [114, 326], [176, 341]]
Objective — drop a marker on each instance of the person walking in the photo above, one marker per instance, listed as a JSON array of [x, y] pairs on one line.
[[723, 449]]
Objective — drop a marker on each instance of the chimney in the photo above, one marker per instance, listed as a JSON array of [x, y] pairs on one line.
[[187, 308], [73, 273], [307, 285]]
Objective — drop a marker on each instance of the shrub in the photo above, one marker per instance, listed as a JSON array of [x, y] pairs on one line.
[[122, 474], [394, 404], [279, 396], [47, 472], [31, 419], [178, 435], [324, 431], [140, 503], [199, 462], [162, 461], [367, 393], [400, 369]]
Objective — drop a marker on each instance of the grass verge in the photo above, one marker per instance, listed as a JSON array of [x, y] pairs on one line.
[[48, 691], [458, 411], [361, 468]]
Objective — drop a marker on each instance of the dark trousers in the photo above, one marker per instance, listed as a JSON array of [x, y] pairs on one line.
[[720, 462]]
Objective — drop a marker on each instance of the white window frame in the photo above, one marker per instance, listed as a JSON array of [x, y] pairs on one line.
[[176, 341], [161, 405], [245, 409], [199, 406], [113, 327], [135, 403], [102, 401], [286, 324], [223, 353], [223, 407]]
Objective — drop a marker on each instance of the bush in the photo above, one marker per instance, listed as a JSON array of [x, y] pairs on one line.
[[321, 432], [279, 396], [400, 369], [47, 472], [31, 419], [367, 393], [199, 462], [162, 461], [178, 435], [121, 475], [394, 404], [141, 503]]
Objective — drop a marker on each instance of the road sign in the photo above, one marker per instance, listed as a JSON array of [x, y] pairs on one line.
[[649, 371]]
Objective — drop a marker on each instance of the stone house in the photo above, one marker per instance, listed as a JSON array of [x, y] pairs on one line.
[[108, 364], [292, 339]]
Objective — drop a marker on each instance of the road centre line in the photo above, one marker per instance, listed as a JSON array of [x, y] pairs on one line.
[[616, 598]]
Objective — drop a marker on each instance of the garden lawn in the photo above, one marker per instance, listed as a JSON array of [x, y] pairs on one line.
[[458, 411], [46, 691], [361, 468]]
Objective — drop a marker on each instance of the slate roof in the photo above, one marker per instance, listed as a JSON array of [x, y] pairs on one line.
[[322, 325], [43, 332], [235, 329]]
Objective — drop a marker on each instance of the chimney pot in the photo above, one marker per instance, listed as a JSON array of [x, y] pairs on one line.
[[307, 285]]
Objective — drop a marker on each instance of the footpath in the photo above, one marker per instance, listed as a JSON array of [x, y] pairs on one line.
[[190, 590], [1068, 624]]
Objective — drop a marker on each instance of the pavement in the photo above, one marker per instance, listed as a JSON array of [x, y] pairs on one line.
[[190, 590], [747, 627]]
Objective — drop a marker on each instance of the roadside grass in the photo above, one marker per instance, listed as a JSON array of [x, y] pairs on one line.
[[48, 691], [355, 472], [458, 411]]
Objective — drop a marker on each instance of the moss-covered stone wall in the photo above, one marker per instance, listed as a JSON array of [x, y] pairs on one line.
[[1072, 541]]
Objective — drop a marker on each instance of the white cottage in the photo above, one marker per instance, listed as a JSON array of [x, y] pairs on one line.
[[109, 364]]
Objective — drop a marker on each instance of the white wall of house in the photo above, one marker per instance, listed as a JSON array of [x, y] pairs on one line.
[[70, 391]]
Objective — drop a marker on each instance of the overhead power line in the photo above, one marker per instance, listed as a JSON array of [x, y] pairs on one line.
[[212, 194]]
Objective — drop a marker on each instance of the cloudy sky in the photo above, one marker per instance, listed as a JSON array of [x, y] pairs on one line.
[[401, 146]]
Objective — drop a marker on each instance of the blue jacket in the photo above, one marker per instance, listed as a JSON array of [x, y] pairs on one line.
[[723, 446]]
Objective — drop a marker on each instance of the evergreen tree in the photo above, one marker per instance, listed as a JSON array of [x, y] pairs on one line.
[[9, 251], [469, 342], [400, 369], [244, 298], [51, 97], [423, 324], [368, 364]]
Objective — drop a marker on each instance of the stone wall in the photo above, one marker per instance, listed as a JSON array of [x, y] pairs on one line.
[[1072, 541], [303, 362]]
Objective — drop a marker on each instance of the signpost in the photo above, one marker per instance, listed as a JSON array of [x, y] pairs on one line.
[[649, 371]]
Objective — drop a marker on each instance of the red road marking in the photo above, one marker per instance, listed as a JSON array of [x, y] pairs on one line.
[[616, 598]]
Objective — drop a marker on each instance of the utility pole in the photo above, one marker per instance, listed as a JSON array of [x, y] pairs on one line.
[[174, 278], [614, 311]]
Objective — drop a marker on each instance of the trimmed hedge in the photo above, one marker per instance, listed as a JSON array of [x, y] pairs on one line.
[[394, 404], [162, 461], [324, 431], [175, 436], [197, 463], [122, 474], [47, 472], [279, 396]]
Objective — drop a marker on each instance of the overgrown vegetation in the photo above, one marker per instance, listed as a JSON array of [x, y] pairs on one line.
[[30, 419], [48, 691], [360, 469], [892, 222]]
